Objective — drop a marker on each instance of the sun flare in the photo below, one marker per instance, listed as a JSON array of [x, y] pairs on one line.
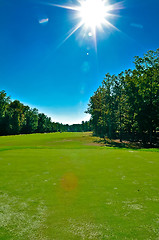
[[93, 13]]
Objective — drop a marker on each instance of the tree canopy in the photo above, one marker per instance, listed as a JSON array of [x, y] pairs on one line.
[[126, 106]]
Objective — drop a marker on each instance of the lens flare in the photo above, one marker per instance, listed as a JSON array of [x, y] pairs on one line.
[[44, 20]]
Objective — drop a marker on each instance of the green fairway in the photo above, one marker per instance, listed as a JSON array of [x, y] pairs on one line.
[[63, 186]]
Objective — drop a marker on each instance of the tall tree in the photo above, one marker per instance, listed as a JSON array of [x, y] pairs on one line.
[[127, 105], [4, 104]]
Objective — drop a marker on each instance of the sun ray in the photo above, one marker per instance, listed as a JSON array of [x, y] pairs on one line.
[[74, 8], [72, 31], [93, 15], [107, 23]]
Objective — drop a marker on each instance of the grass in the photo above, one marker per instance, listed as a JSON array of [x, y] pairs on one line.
[[66, 186]]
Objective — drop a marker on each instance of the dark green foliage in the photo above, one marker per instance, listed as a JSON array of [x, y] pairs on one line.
[[4, 104], [127, 106], [84, 127], [30, 123]]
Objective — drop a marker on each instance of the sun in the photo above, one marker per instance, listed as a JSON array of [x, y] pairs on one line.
[[93, 13]]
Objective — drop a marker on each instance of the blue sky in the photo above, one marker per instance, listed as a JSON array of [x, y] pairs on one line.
[[57, 77]]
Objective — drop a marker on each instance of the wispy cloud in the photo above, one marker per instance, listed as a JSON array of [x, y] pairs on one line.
[[137, 25]]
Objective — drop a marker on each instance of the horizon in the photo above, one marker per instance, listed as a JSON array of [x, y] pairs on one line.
[[48, 64]]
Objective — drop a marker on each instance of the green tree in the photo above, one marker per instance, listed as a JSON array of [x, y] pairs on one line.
[[4, 104], [30, 123]]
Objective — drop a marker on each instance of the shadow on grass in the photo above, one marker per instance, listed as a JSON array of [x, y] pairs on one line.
[[124, 144]]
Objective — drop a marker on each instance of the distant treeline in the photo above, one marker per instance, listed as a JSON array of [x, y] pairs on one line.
[[126, 106], [16, 118]]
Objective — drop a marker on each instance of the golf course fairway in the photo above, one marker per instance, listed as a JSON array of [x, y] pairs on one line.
[[66, 186]]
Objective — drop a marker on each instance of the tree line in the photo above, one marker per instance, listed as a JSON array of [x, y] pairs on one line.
[[17, 118], [126, 106]]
